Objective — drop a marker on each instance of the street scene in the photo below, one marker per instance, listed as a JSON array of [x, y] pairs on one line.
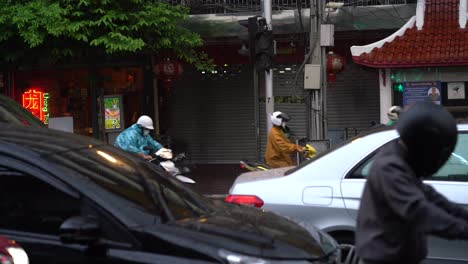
[[233, 131]]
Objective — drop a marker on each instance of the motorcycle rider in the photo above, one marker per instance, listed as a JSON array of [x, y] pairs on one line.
[[279, 148], [397, 209], [136, 138], [393, 113]]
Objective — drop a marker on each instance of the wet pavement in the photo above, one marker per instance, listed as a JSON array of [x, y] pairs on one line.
[[214, 179]]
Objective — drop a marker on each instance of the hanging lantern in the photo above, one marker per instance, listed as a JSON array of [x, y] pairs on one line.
[[167, 71], [335, 64]]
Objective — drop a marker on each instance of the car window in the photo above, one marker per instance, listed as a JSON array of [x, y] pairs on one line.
[[362, 170], [114, 173], [338, 146], [455, 169], [31, 205], [179, 201], [138, 185]]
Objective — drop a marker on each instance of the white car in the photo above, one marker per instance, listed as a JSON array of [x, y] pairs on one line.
[[326, 191]]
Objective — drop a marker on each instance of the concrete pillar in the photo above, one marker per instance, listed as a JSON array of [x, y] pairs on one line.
[[385, 92]]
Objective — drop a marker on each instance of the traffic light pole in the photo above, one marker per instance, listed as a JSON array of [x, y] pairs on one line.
[[316, 97], [269, 97]]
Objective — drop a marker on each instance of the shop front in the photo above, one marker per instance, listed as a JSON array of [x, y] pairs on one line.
[[63, 98], [426, 59]]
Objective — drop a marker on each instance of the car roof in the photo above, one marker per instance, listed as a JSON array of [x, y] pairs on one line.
[[45, 140], [375, 131]]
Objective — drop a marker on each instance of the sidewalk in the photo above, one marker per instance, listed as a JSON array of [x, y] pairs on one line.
[[214, 179]]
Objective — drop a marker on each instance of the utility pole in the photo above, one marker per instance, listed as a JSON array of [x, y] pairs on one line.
[[316, 58], [269, 97]]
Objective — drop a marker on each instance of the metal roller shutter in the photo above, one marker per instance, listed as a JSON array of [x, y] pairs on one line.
[[212, 115], [352, 102]]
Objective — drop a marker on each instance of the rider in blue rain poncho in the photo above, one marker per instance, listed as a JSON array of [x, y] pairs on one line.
[[136, 138]]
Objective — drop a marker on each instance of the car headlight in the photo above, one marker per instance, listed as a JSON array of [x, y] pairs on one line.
[[18, 255], [236, 258]]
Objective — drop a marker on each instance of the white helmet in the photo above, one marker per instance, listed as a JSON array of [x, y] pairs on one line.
[[277, 118], [146, 122], [393, 112]]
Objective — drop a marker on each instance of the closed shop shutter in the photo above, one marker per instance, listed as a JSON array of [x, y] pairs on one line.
[[352, 102], [211, 115]]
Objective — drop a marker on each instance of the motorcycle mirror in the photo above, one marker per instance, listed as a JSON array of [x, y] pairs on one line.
[[184, 179]]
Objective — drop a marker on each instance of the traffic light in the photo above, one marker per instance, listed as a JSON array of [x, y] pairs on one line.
[[264, 50], [261, 43], [398, 87]]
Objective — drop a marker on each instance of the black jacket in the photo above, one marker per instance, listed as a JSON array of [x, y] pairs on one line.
[[397, 211]]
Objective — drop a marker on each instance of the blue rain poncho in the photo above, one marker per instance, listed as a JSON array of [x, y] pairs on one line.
[[132, 139]]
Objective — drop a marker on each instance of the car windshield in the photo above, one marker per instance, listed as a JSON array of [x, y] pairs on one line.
[[13, 113], [135, 186]]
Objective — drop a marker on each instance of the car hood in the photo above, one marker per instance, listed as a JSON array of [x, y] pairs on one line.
[[248, 231]]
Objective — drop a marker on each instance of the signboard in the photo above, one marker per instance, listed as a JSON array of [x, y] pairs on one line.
[[421, 91], [37, 102], [113, 112], [456, 90]]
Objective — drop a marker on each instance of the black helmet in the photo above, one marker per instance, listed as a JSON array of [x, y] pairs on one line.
[[429, 133]]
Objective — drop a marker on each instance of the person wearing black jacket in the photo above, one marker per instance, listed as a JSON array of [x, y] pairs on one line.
[[397, 209]]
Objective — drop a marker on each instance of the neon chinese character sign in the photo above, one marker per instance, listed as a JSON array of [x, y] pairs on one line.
[[36, 101]]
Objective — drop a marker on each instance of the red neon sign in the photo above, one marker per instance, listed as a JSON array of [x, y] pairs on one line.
[[33, 100]]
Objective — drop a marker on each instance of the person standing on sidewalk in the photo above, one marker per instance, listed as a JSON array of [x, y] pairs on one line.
[[279, 148], [397, 209]]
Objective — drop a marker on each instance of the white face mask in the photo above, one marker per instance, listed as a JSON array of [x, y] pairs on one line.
[[283, 124], [146, 132]]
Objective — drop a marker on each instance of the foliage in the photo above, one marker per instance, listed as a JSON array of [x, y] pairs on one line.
[[84, 28]]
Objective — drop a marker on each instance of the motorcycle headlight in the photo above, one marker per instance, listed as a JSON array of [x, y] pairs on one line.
[[18, 255], [236, 258]]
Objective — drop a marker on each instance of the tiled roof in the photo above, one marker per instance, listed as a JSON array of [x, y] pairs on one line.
[[441, 42]]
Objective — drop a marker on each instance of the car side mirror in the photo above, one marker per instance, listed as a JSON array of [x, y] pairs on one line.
[[82, 230]]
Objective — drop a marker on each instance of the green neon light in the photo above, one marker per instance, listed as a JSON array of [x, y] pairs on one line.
[[45, 108]]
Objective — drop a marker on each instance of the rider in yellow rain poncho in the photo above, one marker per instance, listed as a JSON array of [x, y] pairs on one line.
[[279, 148]]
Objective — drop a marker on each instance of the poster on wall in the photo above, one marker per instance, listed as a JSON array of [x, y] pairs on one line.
[[113, 113], [456, 90], [421, 91]]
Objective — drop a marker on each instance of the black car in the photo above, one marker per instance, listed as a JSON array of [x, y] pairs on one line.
[[13, 113], [71, 199]]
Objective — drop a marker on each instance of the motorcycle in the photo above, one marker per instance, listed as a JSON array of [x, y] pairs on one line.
[[309, 153], [165, 158]]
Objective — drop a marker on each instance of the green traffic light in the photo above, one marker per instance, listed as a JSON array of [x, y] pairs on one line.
[[400, 88]]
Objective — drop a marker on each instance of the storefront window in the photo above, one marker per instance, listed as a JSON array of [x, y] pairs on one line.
[[66, 93]]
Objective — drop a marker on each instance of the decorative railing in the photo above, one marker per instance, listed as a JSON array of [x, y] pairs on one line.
[[242, 6]]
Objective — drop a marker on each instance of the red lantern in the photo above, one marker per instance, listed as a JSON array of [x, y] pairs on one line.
[[167, 71], [335, 64]]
